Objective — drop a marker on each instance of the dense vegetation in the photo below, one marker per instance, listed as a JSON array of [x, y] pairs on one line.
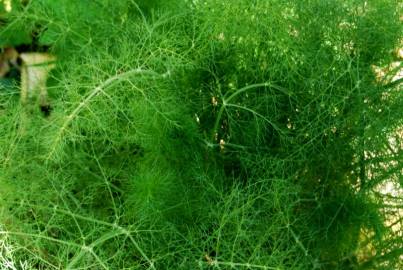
[[204, 135]]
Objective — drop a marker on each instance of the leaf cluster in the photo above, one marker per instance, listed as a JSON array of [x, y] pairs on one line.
[[205, 135]]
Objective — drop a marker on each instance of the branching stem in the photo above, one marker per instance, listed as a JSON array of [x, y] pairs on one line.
[[88, 99]]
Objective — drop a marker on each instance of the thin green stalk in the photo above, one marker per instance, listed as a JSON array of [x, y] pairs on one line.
[[97, 90]]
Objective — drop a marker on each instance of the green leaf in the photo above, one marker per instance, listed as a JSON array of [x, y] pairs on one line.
[[49, 37], [15, 35]]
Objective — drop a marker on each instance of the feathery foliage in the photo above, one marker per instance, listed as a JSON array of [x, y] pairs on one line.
[[205, 135]]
